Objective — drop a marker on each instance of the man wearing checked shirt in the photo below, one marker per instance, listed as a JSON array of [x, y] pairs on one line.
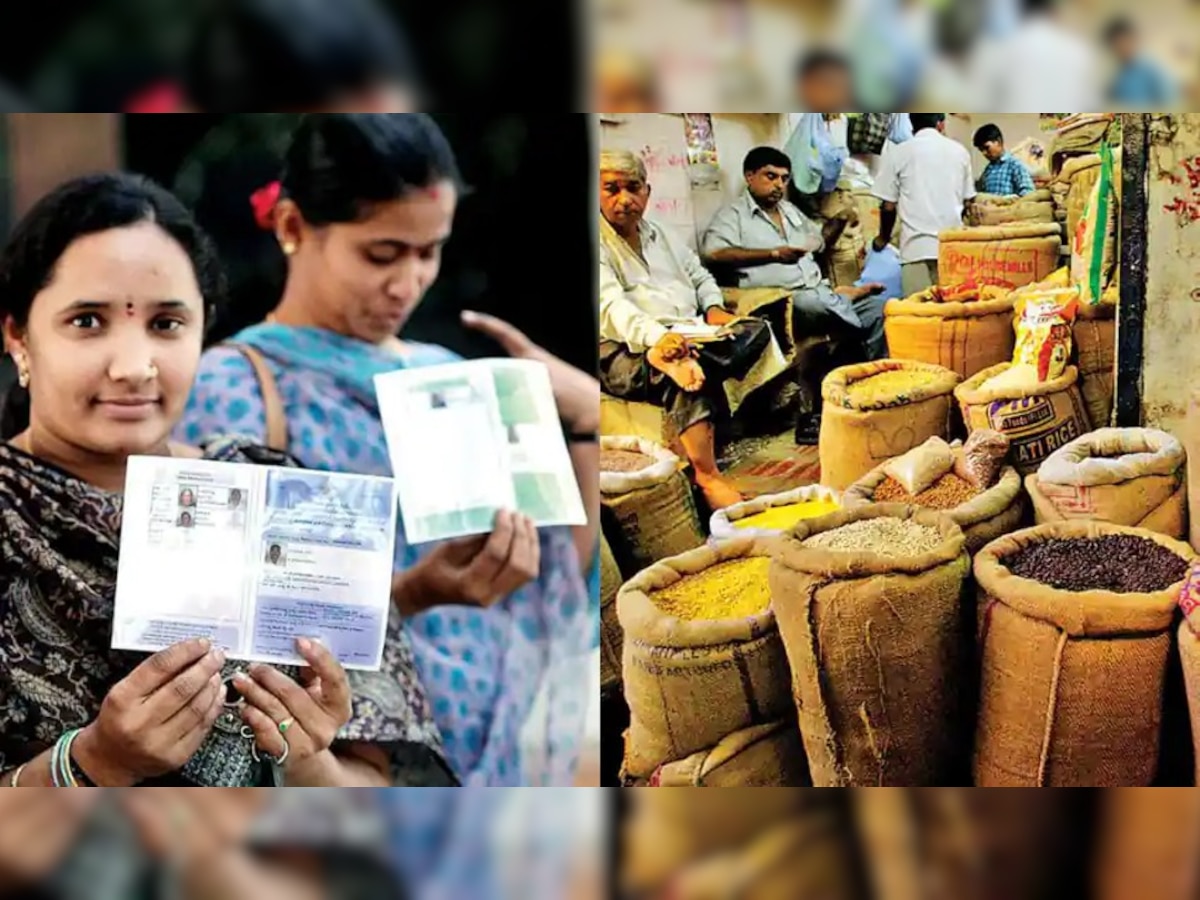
[[1005, 175]]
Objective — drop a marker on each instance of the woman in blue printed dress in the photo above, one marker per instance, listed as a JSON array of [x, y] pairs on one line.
[[363, 208]]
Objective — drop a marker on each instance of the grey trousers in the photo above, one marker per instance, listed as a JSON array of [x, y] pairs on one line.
[[821, 310]]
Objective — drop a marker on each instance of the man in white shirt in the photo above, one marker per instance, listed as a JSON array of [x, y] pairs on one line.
[[928, 183], [650, 281]]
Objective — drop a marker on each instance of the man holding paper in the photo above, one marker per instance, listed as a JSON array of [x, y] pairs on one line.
[[769, 242], [665, 336]]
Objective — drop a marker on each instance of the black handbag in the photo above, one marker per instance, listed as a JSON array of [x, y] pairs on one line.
[[867, 132]]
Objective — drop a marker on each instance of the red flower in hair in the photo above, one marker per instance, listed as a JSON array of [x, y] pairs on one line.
[[263, 202]]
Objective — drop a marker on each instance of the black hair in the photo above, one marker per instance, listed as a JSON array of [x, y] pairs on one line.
[[340, 163], [986, 134], [1119, 27], [83, 206], [814, 61], [760, 157], [921, 121], [1039, 6], [278, 55]]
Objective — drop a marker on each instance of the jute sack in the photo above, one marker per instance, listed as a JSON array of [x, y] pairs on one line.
[[723, 524], [689, 684], [1007, 255], [1095, 338], [769, 755], [652, 511], [877, 647], [990, 209], [998, 510], [1147, 845], [1037, 420], [1127, 476], [856, 436], [804, 857], [962, 337], [1191, 446], [1189, 657], [610, 628], [950, 837], [1071, 683], [667, 831]]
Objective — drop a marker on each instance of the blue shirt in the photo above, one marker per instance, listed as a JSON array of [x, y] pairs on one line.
[[1143, 84], [1006, 176]]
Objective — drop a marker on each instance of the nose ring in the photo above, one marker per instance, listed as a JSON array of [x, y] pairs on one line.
[[152, 372]]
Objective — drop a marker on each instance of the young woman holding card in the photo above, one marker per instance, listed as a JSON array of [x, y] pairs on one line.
[[106, 287], [365, 204]]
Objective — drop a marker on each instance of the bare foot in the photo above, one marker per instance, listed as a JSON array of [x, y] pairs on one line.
[[718, 492], [684, 372]]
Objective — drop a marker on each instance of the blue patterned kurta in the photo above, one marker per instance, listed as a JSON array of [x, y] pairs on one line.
[[481, 668]]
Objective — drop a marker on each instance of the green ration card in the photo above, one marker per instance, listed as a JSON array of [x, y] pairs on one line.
[[469, 439]]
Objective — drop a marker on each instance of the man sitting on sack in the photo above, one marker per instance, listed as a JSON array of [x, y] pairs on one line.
[[771, 243], [657, 301]]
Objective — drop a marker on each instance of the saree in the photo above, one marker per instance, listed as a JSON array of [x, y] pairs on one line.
[[483, 668], [59, 540]]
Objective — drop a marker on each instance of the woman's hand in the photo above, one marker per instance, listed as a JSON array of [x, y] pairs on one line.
[[303, 719], [576, 392], [155, 719], [475, 571], [37, 830]]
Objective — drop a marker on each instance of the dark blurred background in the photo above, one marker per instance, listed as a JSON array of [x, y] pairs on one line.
[[95, 55]]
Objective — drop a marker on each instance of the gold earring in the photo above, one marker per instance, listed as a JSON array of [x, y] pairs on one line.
[[22, 371], [289, 248]]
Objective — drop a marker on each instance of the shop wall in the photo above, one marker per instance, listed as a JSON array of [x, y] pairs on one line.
[[1015, 128], [1171, 371], [659, 138]]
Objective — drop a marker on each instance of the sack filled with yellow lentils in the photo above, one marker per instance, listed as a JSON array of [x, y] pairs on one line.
[[773, 514], [702, 657]]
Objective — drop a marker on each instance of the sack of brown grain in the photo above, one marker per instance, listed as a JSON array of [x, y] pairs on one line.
[[1127, 476], [1074, 632], [869, 605], [647, 503], [982, 515], [879, 410], [702, 657]]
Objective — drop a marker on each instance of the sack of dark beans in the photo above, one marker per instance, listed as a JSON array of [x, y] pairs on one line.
[[1074, 632]]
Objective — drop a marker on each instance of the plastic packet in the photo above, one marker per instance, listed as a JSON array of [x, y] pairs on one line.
[[921, 467], [1044, 332], [981, 458]]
